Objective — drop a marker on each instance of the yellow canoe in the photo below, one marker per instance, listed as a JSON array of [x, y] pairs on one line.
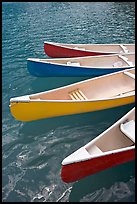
[[107, 91]]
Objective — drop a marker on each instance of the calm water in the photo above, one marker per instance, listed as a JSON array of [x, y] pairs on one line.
[[33, 152]]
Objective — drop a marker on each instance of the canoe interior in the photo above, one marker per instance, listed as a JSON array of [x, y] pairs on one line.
[[107, 86], [114, 48], [112, 140], [109, 61]]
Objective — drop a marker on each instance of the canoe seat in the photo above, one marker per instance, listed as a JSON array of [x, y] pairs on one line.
[[125, 59], [128, 129], [77, 95], [94, 150], [73, 64], [124, 48], [117, 64]]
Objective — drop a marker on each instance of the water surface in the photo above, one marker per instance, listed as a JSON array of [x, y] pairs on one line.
[[33, 152]]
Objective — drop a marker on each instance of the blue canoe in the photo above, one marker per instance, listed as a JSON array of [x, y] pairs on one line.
[[80, 66]]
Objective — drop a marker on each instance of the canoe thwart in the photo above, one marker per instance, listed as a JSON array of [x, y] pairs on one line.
[[128, 129], [125, 60], [130, 75], [77, 95], [124, 48]]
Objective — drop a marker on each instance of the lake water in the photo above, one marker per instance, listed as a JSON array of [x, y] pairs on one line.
[[32, 152]]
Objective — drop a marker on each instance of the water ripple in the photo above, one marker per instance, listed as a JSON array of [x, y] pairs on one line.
[[118, 192], [32, 152]]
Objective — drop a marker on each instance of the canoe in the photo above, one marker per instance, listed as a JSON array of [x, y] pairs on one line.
[[107, 91], [80, 66], [53, 49], [114, 146]]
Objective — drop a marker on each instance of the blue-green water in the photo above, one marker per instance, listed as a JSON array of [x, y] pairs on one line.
[[32, 152]]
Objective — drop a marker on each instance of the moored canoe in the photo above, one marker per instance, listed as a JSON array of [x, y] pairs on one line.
[[114, 146], [80, 66], [103, 92], [53, 49]]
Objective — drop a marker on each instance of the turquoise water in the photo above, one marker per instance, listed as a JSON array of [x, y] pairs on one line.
[[32, 152]]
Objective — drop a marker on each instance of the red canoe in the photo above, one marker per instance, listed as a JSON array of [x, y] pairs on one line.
[[114, 146], [57, 50]]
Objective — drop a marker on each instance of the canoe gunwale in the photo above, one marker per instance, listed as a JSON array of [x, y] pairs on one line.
[[81, 66], [93, 51], [66, 101], [100, 155], [47, 42], [84, 57]]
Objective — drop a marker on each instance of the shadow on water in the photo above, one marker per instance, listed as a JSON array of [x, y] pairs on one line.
[[107, 178], [41, 127], [48, 83]]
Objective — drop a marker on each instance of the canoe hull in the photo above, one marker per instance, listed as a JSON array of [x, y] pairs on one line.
[[40, 69], [55, 51], [75, 171], [34, 110]]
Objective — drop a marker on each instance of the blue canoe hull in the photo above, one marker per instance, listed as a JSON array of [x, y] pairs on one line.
[[40, 69]]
